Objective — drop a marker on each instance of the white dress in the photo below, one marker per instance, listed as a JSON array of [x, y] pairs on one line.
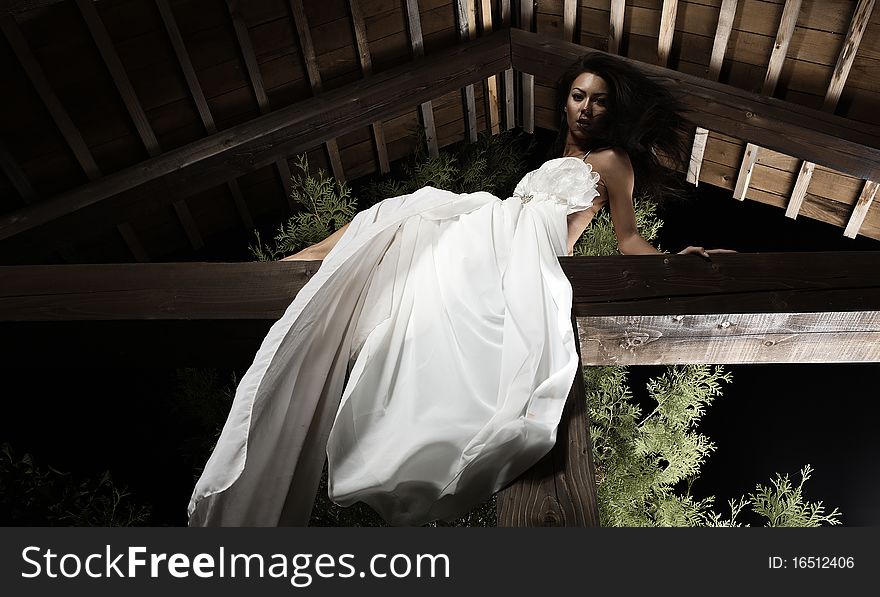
[[443, 321]]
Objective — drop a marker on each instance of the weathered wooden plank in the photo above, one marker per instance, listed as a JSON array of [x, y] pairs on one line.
[[733, 338], [204, 110], [861, 209], [780, 47], [559, 490], [767, 122], [255, 144], [509, 104], [602, 286], [308, 51], [464, 11], [726, 15], [527, 82], [360, 35], [50, 99], [615, 29], [494, 110], [857, 26], [569, 20], [667, 31], [414, 27]]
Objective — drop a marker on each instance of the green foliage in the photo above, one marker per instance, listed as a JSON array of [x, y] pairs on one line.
[[34, 495], [327, 205], [599, 240], [783, 505]]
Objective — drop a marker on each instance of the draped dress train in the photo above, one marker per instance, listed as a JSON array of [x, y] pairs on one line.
[[434, 343]]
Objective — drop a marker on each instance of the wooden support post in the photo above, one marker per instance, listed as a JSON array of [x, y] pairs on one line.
[[360, 36], [414, 26], [528, 80], [467, 30], [308, 51], [667, 31], [195, 89], [509, 107], [560, 490], [869, 191], [719, 47], [492, 82], [784, 33], [615, 27]]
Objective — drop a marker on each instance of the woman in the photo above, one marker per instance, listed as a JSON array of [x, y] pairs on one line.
[[431, 355]]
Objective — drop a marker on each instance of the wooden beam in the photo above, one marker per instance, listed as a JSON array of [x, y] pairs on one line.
[[13, 172], [41, 84], [738, 338], [195, 89], [869, 191], [467, 30], [559, 490], [615, 27], [426, 109], [308, 51], [527, 91], [726, 14], [569, 20], [253, 70], [360, 36], [251, 145], [667, 31], [784, 33], [851, 42], [509, 107], [633, 285], [494, 111]]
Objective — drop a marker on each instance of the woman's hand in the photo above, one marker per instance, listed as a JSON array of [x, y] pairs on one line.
[[703, 252]]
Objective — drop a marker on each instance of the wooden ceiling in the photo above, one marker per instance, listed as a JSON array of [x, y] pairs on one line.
[[97, 93]]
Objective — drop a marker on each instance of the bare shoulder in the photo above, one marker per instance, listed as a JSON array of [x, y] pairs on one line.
[[614, 168]]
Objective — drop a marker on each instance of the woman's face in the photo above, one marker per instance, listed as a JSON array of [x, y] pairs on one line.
[[588, 100]]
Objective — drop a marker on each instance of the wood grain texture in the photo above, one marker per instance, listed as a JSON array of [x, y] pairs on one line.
[[726, 15], [736, 338], [467, 31], [667, 31], [243, 148], [780, 47], [527, 79], [857, 26], [866, 199], [426, 109], [615, 29], [799, 192]]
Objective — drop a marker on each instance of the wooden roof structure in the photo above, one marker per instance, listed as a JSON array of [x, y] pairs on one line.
[[136, 130]]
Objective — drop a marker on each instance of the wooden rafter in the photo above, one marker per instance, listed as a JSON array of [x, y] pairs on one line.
[[253, 70], [569, 20], [41, 84], [777, 58], [784, 33], [18, 179], [667, 31], [195, 89], [858, 24], [426, 108], [308, 49], [615, 27], [527, 92], [136, 112], [467, 30], [366, 60], [866, 198], [243, 148], [726, 14]]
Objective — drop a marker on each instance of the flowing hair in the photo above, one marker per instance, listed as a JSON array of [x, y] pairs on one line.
[[644, 118]]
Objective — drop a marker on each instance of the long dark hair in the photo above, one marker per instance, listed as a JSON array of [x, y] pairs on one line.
[[644, 118]]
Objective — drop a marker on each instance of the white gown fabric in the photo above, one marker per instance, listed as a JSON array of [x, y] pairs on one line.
[[436, 338]]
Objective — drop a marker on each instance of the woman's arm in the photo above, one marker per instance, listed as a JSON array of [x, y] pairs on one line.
[[318, 251]]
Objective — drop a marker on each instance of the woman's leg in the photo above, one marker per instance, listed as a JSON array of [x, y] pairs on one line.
[[318, 251]]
